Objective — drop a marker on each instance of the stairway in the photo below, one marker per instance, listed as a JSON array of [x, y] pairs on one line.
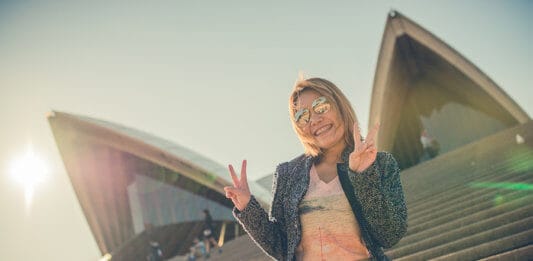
[[472, 203]]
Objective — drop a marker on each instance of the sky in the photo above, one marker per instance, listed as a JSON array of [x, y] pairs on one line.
[[212, 76]]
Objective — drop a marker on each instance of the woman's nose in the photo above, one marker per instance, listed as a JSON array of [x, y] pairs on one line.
[[315, 118]]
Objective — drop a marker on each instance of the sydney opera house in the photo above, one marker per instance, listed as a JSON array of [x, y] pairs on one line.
[[464, 147]]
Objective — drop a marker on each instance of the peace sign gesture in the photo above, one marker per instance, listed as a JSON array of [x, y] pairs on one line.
[[240, 192], [365, 151]]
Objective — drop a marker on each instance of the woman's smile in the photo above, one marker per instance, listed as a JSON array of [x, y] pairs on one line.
[[323, 129]]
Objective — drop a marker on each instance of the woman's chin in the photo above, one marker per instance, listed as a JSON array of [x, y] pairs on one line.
[[328, 141]]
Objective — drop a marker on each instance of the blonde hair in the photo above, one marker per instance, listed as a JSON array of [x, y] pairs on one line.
[[339, 102]]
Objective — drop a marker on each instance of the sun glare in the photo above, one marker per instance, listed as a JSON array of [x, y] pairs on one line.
[[29, 171]]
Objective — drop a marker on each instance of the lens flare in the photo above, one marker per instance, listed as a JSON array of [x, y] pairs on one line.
[[502, 185], [29, 171]]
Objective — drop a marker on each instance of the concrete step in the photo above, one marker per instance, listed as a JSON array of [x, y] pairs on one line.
[[466, 206], [429, 240], [242, 248], [474, 240], [456, 194], [489, 249], [462, 218], [519, 254], [496, 172]]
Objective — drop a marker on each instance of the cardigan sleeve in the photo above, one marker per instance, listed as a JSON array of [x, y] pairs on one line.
[[380, 194], [267, 231]]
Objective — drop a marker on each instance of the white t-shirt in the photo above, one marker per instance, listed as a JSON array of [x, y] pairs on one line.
[[329, 228]]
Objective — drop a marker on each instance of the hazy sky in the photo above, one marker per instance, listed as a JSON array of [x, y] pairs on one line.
[[211, 76]]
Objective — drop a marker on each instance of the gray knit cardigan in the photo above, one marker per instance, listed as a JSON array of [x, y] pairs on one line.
[[375, 195]]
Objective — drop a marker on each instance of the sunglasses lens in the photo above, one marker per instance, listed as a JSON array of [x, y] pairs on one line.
[[302, 117], [322, 108]]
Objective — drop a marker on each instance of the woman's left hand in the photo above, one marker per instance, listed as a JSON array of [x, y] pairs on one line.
[[365, 151]]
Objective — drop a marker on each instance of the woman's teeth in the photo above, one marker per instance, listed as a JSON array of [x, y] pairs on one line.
[[322, 130]]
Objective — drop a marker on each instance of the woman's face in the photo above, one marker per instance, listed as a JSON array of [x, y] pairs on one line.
[[319, 120]]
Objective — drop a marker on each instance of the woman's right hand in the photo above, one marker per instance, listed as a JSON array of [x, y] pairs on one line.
[[240, 192]]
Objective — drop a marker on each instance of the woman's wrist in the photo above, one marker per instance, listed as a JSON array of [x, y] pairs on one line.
[[244, 203]]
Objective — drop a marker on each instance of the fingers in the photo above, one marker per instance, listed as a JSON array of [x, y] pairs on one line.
[[365, 151], [241, 182], [368, 147], [363, 148], [371, 149], [230, 192], [372, 133], [356, 135], [232, 195], [370, 144], [244, 176], [234, 178]]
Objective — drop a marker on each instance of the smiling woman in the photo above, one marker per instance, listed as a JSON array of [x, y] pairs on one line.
[[29, 170], [340, 200]]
